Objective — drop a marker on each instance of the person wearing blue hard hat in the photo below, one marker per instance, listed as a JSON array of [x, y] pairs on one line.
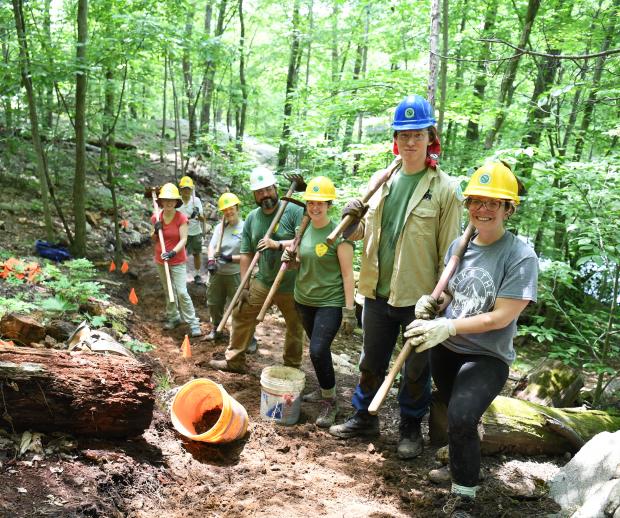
[[407, 227]]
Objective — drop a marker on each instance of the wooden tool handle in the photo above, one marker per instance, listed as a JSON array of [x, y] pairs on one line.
[[157, 212], [372, 189], [447, 273], [218, 247]]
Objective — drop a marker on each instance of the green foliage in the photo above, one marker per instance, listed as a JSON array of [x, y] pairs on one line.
[[15, 305], [56, 305], [137, 346], [72, 282]]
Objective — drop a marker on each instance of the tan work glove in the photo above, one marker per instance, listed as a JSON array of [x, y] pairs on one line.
[[349, 321], [427, 307], [424, 334]]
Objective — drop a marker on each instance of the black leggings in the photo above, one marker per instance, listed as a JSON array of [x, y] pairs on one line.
[[467, 384]]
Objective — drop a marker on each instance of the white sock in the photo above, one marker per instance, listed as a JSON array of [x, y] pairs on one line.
[[464, 490]]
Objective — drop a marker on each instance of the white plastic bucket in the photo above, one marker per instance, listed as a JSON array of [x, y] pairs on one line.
[[281, 389]]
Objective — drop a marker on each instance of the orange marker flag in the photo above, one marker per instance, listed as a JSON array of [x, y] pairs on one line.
[[112, 266], [125, 267], [133, 298], [186, 349]]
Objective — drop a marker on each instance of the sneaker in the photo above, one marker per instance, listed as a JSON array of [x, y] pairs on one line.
[[327, 415], [214, 336], [459, 506], [195, 331], [411, 443], [440, 475], [172, 324], [312, 397], [223, 365], [252, 346], [197, 279], [360, 424]]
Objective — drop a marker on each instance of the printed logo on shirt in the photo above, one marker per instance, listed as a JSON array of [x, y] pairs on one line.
[[474, 292], [275, 229], [321, 249]]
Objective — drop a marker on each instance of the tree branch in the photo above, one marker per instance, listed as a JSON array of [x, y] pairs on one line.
[[554, 56]]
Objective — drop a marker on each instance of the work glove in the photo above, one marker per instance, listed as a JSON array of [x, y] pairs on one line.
[[355, 208], [158, 226], [265, 244], [349, 321], [424, 334], [212, 266], [288, 256], [195, 213], [227, 258], [166, 256], [426, 308], [244, 298]]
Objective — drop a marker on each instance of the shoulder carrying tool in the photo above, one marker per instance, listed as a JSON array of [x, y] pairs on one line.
[[447, 273]]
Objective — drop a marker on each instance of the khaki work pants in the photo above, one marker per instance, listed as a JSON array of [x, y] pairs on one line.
[[244, 323]]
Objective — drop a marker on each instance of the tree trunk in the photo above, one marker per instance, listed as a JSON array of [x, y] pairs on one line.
[[96, 395], [552, 384], [187, 74], [49, 87], [480, 83], [507, 88], [520, 427], [433, 59], [357, 67], [24, 58], [79, 181], [162, 144], [244, 87], [291, 85], [331, 131], [443, 70], [6, 98]]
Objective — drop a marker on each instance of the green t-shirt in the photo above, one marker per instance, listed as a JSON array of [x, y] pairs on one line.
[[392, 221], [319, 282], [270, 260]]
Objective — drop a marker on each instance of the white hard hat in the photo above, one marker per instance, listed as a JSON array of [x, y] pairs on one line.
[[261, 177]]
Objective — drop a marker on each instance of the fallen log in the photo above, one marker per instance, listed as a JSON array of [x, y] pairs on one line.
[[516, 426], [88, 394]]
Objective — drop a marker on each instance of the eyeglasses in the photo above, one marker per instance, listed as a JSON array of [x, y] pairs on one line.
[[404, 136], [490, 205]]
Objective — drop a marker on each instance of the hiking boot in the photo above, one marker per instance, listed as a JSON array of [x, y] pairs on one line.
[[411, 443], [223, 365], [440, 475], [360, 424], [459, 506], [312, 397], [195, 331], [197, 279], [252, 346], [327, 415], [214, 336], [172, 324]]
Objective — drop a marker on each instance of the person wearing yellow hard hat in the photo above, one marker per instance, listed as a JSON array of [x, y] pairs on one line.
[[192, 208], [472, 338], [324, 292], [173, 225], [406, 227], [223, 262]]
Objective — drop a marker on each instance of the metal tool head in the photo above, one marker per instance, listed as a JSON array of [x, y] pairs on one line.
[[293, 200], [300, 184]]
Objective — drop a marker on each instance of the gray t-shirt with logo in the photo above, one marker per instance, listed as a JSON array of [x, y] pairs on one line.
[[507, 269], [231, 244]]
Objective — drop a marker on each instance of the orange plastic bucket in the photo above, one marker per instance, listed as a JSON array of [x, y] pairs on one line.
[[202, 397]]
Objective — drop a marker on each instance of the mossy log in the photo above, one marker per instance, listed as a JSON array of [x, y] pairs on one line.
[[517, 426], [88, 394], [552, 384]]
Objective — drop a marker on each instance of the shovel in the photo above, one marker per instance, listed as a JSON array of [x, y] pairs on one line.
[[292, 248], [297, 184], [447, 273]]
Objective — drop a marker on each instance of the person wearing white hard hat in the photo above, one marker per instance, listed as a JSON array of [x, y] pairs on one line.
[[192, 208], [263, 186], [471, 343], [173, 225]]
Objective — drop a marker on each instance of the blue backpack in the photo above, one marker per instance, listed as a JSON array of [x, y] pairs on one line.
[[56, 253]]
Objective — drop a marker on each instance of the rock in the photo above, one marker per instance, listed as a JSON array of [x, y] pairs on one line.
[[522, 480], [586, 484], [21, 328], [59, 330]]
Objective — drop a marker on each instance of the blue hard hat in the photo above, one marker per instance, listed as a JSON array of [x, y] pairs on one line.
[[414, 112]]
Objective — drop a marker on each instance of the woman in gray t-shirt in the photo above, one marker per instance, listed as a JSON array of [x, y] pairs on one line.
[[495, 281]]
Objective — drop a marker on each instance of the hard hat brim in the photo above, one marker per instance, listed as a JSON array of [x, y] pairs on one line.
[[413, 125]]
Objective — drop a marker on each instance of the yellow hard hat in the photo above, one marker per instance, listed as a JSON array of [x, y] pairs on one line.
[[494, 180], [228, 199], [320, 188], [169, 191], [186, 181]]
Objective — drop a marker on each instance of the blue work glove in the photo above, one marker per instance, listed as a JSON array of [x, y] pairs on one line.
[[212, 266], [158, 226], [166, 256], [195, 213]]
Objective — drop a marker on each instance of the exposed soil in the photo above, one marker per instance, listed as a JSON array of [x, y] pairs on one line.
[[208, 420], [275, 470]]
